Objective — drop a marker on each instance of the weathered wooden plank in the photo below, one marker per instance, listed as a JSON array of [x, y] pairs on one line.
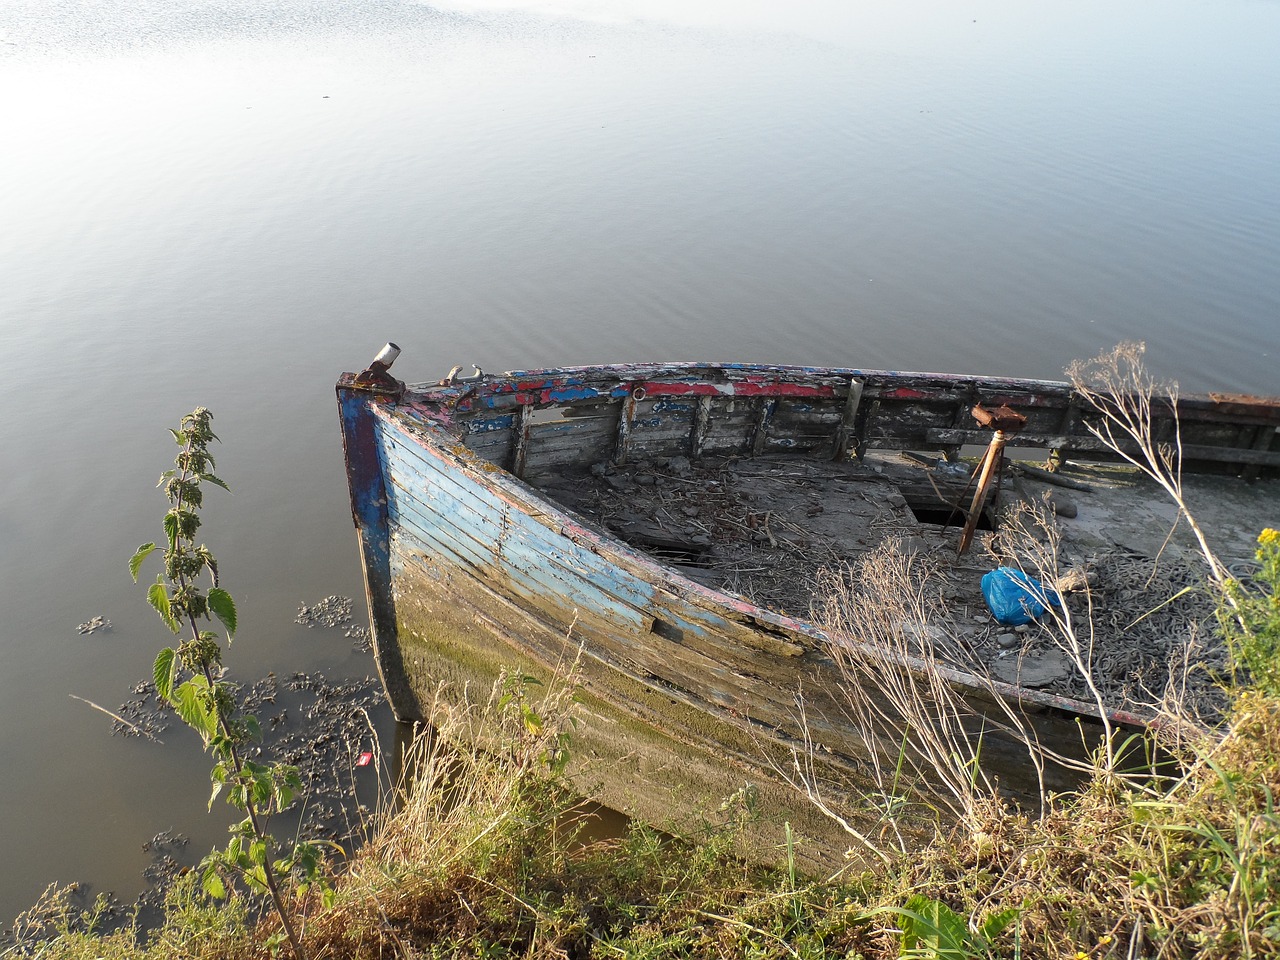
[[760, 429], [556, 450], [1190, 451], [441, 523], [622, 440], [494, 447], [361, 443], [713, 668], [848, 414], [686, 650], [518, 558], [1263, 439], [520, 440], [701, 425]]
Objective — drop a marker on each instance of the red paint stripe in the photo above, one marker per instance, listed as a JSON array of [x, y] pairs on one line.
[[743, 388]]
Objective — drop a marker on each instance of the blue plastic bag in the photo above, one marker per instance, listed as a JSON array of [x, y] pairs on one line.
[[1015, 598]]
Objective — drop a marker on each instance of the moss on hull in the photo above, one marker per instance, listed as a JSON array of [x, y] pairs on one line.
[[645, 754]]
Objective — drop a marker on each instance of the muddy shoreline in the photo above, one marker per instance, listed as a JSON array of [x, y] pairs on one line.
[[319, 724]]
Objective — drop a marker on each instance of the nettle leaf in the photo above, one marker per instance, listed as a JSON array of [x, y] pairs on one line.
[[212, 883], [139, 555], [163, 671], [212, 479], [158, 597], [194, 706], [256, 879], [171, 528], [224, 608]]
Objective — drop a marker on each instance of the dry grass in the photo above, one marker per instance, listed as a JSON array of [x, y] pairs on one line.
[[897, 649]]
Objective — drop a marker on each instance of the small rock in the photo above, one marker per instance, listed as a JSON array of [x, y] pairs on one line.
[[1037, 670], [1008, 640], [1063, 506]]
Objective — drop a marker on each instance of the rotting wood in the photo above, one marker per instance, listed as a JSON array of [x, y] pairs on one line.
[[520, 449], [848, 416], [1091, 444], [863, 429], [1057, 479], [760, 431], [1263, 438], [701, 424], [625, 420]]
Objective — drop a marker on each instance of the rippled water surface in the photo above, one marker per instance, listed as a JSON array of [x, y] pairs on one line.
[[230, 204]]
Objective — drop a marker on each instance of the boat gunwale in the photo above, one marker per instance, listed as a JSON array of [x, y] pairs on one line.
[[540, 385]]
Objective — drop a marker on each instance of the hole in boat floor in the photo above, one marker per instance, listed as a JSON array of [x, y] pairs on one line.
[[948, 516]]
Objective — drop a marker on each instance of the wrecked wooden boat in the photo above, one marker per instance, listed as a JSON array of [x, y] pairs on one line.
[[476, 500]]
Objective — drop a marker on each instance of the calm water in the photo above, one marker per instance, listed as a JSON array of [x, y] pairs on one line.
[[230, 204]]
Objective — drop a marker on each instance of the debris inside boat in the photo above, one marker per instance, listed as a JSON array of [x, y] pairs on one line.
[[772, 531]]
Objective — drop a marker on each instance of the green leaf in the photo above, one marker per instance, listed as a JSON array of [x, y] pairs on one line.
[[532, 722], [932, 925], [139, 555], [194, 706], [171, 529], [212, 883], [212, 479], [158, 597], [996, 923], [256, 878], [224, 608], [163, 671]]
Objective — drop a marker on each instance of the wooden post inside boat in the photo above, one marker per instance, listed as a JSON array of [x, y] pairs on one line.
[[1005, 421]]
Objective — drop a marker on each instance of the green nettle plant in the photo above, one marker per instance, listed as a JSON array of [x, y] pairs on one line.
[[1251, 618], [190, 679]]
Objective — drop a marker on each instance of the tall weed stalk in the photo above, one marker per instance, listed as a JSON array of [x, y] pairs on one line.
[[191, 679]]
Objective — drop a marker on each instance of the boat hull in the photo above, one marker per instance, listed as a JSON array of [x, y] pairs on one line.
[[686, 694]]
